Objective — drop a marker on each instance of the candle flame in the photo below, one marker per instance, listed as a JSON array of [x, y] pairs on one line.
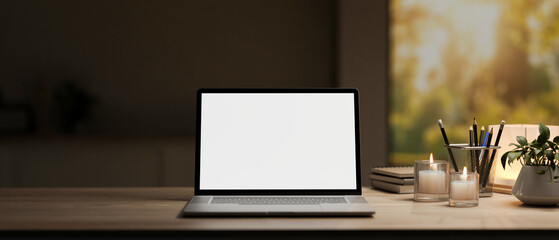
[[433, 166], [465, 172]]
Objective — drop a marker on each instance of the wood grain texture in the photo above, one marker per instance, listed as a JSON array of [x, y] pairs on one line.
[[157, 209]]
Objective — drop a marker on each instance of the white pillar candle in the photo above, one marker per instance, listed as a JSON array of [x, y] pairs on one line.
[[463, 188], [432, 181]]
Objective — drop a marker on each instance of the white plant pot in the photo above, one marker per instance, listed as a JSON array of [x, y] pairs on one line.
[[534, 189]]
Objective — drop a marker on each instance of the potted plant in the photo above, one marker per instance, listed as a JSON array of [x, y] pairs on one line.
[[538, 181]]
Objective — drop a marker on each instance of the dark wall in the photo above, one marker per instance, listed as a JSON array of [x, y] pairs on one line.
[[363, 54], [144, 60]]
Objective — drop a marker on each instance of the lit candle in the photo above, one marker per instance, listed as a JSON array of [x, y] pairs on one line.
[[464, 188], [432, 180]]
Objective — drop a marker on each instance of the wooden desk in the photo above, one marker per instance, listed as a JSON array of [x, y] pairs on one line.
[[145, 209]]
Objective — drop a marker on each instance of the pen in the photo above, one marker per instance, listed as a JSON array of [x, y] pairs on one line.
[[481, 134], [448, 144], [485, 154]]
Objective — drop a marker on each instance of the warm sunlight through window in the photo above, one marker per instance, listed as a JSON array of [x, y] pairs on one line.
[[456, 59]]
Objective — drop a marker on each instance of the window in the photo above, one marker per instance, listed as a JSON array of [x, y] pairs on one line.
[[459, 59]]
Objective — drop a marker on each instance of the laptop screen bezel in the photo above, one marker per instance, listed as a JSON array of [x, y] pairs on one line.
[[356, 191]]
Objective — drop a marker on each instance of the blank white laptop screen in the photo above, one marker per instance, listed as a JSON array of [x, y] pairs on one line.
[[252, 141]]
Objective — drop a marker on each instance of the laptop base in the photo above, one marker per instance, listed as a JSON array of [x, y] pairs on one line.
[[200, 206]]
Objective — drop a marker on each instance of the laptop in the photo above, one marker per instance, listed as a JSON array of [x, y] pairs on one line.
[[277, 152]]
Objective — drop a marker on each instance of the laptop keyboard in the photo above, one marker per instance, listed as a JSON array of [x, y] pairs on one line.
[[277, 200]]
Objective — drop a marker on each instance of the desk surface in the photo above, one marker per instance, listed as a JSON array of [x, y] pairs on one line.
[[157, 209]]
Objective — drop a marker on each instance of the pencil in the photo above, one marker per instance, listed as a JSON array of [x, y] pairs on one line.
[[481, 139], [475, 132], [448, 144], [475, 138], [485, 176], [472, 153]]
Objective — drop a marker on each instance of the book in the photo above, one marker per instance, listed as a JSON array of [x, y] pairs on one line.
[[398, 172], [391, 187], [505, 189], [400, 181]]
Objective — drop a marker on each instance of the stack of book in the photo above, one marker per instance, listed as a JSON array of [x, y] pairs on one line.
[[393, 179]]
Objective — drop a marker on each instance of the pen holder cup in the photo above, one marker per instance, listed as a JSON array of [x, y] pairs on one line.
[[481, 160]]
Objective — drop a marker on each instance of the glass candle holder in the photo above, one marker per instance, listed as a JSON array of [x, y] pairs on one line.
[[431, 181], [481, 160], [464, 189]]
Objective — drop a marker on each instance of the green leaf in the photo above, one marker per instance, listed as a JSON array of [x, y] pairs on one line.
[[544, 134], [522, 140], [557, 156], [543, 129], [541, 172], [537, 151], [504, 159], [551, 145], [556, 139], [549, 155], [513, 156], [535, 144]]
